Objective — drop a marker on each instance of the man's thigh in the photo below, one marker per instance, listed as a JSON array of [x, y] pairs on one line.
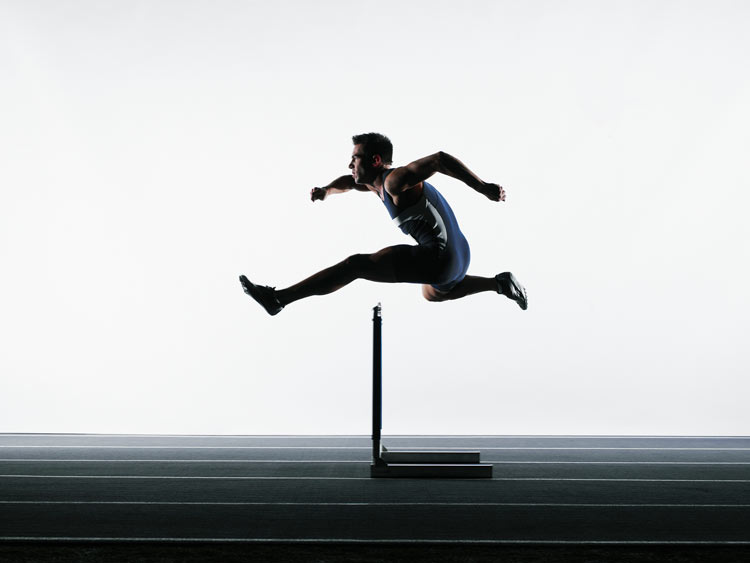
[[406, 263]]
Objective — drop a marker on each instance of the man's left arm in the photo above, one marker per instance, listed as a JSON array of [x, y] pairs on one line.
[[405, 177]]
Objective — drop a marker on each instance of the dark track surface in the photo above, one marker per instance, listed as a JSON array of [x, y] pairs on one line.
[[554, 491]]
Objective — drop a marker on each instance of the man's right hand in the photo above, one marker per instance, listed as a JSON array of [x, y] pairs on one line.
[[493, 191], [318, 193]]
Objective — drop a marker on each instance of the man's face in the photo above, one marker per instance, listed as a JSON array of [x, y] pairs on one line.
[[362, 167]]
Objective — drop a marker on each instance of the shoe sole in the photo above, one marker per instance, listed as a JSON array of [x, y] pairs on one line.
[[520, 290]]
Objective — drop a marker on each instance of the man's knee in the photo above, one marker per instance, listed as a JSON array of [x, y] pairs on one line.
[[432, 294], [359, 263]]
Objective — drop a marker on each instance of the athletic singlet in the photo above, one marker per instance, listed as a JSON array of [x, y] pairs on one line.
[[430, 220], [432, 223]]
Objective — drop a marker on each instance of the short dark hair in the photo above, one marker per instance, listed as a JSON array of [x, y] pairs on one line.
[[375, 143]]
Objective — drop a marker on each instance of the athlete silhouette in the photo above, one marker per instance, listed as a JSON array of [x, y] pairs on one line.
[[441, 256]]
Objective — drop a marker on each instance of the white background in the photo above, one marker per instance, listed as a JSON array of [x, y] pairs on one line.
[[150, 152]]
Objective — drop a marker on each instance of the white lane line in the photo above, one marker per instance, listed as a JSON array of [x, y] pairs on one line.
[[274, 478], [367, 436], [499, 462], [448, 504], [245, 461], [399, 541], [417, 448], [364, 461]]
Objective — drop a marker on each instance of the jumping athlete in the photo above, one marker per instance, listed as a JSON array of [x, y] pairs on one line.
[[441, 256]]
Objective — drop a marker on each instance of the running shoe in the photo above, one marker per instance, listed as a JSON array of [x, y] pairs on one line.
[[508, 285], [263, 294]]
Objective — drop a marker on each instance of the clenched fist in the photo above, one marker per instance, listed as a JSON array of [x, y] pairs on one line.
[[318, 193], [494, 192]]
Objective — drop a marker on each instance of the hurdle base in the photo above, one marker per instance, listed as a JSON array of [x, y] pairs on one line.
[[432, 470], [426, 464]]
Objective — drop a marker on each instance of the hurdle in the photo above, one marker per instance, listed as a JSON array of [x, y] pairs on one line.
[[399, 463]]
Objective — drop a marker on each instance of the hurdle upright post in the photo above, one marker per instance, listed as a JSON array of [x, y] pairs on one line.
[[377, 383]]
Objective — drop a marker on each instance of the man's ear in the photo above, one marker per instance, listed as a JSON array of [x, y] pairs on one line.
[[376, 160]]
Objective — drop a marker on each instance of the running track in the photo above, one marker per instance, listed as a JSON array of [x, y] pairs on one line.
[[545, 490]]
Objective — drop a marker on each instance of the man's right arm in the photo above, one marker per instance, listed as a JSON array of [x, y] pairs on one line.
[[339, 185]]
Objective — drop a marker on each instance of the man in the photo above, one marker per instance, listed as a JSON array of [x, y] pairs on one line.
[[440, 258]]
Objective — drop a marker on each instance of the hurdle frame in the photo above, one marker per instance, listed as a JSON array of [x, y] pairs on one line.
[[416, 464]]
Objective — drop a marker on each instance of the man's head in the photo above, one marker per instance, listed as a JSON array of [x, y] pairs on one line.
[[372, 152]]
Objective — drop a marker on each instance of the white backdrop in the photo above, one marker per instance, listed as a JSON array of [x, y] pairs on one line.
[[150, 152]]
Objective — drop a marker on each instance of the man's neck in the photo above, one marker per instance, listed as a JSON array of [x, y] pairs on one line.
[[379, 180]]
